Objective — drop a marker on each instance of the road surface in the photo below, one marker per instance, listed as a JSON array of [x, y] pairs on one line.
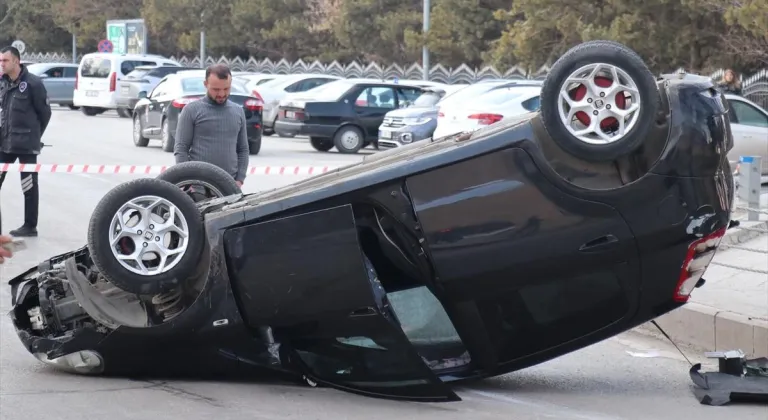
[[605, 381]]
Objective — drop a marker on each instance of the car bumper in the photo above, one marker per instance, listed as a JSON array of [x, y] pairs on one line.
[[299, 128]]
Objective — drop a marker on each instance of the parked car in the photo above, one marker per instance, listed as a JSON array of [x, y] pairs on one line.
[[749, 125], [396, 276], [252, 80], [346, 114], [486, 109], [156, 114], [59, 81], [415, 122], [142, 78], [274, 90], [98, 75]]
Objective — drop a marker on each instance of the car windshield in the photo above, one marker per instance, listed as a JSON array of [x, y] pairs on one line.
[[100, 67], [37, 69], [500, 96], [427, 99], [193, 85]]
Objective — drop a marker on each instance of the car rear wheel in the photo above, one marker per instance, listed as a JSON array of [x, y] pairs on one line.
[[321, 144], [168, 140], [138, 138], [349, 139], [599, 101], [201, 180], [146, 236], [91, 111], [124, 112], [254, 146]]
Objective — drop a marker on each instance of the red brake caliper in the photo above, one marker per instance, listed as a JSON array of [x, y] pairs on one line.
[[578, 94]]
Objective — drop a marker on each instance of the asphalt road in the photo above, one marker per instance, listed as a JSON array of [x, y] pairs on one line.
[[605, 381]]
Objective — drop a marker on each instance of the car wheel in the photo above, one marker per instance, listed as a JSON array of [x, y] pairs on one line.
[[168, 140], [348, 139], [321, 144], [599, 101], [201, 180], [124, 112], [90, 111], [74, 108], [254, 147], [138, 139], [146, 236]]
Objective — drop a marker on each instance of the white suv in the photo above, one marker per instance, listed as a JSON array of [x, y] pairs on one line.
[[98, 74]]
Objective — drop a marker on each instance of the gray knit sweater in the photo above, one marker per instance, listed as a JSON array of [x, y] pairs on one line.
[[213, 133]]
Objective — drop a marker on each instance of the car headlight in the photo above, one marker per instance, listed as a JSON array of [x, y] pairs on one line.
[[416, 120], [85, 361]]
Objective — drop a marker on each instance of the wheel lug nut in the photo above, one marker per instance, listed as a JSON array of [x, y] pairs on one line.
[[607, 107], [146, 244], [138, 232], [157, 238], [602, 94], [595, 112], [589, 101]]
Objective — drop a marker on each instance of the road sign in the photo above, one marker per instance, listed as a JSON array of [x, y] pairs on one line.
[[105, 46], [19, 45]]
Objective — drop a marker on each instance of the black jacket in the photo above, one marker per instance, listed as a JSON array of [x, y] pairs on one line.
[[26, 113]]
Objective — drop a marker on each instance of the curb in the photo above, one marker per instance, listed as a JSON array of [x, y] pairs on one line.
[[711, 329]]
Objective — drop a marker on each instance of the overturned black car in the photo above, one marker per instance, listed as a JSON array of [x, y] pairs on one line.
[[458, 258]]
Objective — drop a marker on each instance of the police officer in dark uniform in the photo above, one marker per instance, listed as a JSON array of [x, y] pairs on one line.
[[24, 116]]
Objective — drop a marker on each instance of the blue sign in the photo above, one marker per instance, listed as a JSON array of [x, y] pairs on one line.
[[397, 79], [105, 46], [746, 159]]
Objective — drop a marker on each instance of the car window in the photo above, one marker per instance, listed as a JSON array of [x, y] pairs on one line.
[[377, 97], [406, 96], [137, 74], [427, 99], [70, 72], [55, 72], [128, 66], [191, 85], [532, 104], [748, 115], [97, 67], [160, 89]]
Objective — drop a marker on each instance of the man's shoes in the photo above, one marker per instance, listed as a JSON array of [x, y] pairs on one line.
[[24, 231]]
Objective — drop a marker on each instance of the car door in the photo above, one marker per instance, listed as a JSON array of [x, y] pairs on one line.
[[521, 267], [371, 105], [54, 83], [332, 319], [749, 125], [158, 101], [70, 75]]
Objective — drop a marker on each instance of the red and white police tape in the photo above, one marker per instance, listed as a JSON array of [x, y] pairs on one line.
[[150, 169]]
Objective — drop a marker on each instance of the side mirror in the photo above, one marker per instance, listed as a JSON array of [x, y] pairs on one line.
[[142, 94]]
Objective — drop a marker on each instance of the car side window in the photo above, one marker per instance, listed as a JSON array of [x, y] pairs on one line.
[[376, 97], [159, 89], [532, 104], [70, 72], [746, 114], [55, 72], [406, 96]]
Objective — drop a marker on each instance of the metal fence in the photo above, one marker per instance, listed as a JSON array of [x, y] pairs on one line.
[[755, 85]]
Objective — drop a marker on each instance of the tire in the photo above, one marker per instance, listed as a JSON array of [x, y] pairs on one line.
[[625, 60], [168, 141], [217, 180], [321, 144], [90, 111], [124, 112], [138, 139], [254, 147], [74, 108], [101, 226], [345, 142]]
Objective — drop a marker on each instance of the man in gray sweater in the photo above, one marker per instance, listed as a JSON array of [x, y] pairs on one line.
[[213, 129]]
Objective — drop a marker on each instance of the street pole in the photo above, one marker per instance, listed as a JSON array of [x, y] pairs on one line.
[[425, 50], [202, 39], [74, 48]]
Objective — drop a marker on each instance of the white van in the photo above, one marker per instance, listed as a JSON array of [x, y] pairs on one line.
[[98, 74]]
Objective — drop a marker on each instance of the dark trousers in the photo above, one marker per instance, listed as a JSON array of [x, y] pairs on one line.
[[28, 186]]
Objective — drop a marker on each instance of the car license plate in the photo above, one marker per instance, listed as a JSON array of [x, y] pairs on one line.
[[91, 93], [290, 114], [385, 134]]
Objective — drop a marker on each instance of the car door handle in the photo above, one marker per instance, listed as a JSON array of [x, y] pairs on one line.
[[600, 244]]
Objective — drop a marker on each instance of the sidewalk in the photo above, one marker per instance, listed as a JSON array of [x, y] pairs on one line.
[[730, 312]]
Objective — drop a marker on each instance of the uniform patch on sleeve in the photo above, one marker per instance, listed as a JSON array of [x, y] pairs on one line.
[[22, 86]]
